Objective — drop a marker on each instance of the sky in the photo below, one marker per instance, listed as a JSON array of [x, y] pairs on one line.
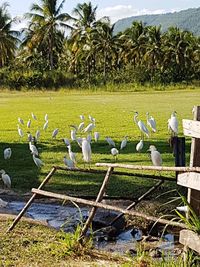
[[115, 9]]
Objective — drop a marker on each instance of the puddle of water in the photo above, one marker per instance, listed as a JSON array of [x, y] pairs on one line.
[[57, 215]]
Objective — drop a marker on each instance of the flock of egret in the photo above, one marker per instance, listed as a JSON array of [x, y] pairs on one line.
[[85, 142]]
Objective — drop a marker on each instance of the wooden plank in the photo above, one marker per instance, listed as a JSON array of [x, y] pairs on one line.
[[190, 180], [149, 168], [191, 128], [109, 207], [142, 175], [190, 239]]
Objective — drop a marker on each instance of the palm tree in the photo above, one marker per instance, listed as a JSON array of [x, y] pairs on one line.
[[45, 28], [81, 38], [8, 37], [106, 44]]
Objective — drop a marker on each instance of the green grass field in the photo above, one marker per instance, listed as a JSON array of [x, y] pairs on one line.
[[114, 117]]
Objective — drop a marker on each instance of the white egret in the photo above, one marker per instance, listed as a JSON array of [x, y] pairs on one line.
[[139, 145], [110, 141], [37, 135], [81, 126], [151, 122], [33, 149], [21, 121], [38, 162], [46, 117], [73, 135], [82, 117], [30, 137], [55, 132], [6, 178], [68, 162], [33, 116], [20, 132], [173, 124], [66, 141], [7, 153], [114, 151], [141, 126], [45, 126], [89, 128], [28, 123], [86, 150], [72, 155], [124, 142], [155, 156], [96, 136], [92, 119]]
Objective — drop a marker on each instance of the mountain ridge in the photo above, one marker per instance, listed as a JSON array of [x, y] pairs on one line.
[[188, 19]]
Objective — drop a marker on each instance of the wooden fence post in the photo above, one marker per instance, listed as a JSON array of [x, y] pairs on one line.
[[194, 195]]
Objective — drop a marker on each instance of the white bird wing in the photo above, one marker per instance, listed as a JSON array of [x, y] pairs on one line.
[[86, 150], [173, 123], [6, 179], [123, 144], [143, 128], [156, 158]]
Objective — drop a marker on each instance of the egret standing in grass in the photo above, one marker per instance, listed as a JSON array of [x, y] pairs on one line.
[[38, 162], [20, 132], [73, 134], [72, 155], [155, 156], [139, 146], [28, 123], [45, 126], [33, 116], [110, 141], [33, 149], [141, 126], [114, 151], [21, 121], [37, 135], [55, 132], [68, 162], [151, 122], [96, 136], [86, 150], [7, 153], [123, 143], [173, 124], [89, 128], [6, 179]]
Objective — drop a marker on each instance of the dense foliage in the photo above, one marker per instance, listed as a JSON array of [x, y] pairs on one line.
[[91, 53]]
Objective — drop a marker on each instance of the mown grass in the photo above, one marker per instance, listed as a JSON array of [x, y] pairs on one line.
[[114, 118]]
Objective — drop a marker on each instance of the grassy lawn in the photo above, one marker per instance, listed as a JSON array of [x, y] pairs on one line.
[[114, 117]]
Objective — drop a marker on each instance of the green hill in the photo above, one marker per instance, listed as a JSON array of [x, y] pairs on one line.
[[186, 20]]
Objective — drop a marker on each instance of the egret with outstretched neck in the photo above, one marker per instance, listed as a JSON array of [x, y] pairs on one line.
[[142, 127]]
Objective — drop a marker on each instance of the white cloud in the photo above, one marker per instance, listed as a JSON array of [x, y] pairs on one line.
[[123, 11]]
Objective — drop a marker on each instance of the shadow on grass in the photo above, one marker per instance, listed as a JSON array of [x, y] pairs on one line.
[[20, 167]]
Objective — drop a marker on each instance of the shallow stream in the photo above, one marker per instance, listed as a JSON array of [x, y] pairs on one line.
[[67, 217]]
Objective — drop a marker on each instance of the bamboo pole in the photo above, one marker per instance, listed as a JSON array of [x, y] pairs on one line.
[[31, 200], [98, 199], [148, 176], [108, 207], [153, 168], [132, 205]]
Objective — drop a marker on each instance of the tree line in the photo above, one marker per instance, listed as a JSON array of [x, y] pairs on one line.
[[58, 49]]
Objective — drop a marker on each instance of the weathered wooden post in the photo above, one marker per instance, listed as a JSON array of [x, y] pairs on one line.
[[191, 180], [179, 151]]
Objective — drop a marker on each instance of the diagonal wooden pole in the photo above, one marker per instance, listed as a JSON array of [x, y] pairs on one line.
[[98, 199], [31, 200], [132, 205]]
